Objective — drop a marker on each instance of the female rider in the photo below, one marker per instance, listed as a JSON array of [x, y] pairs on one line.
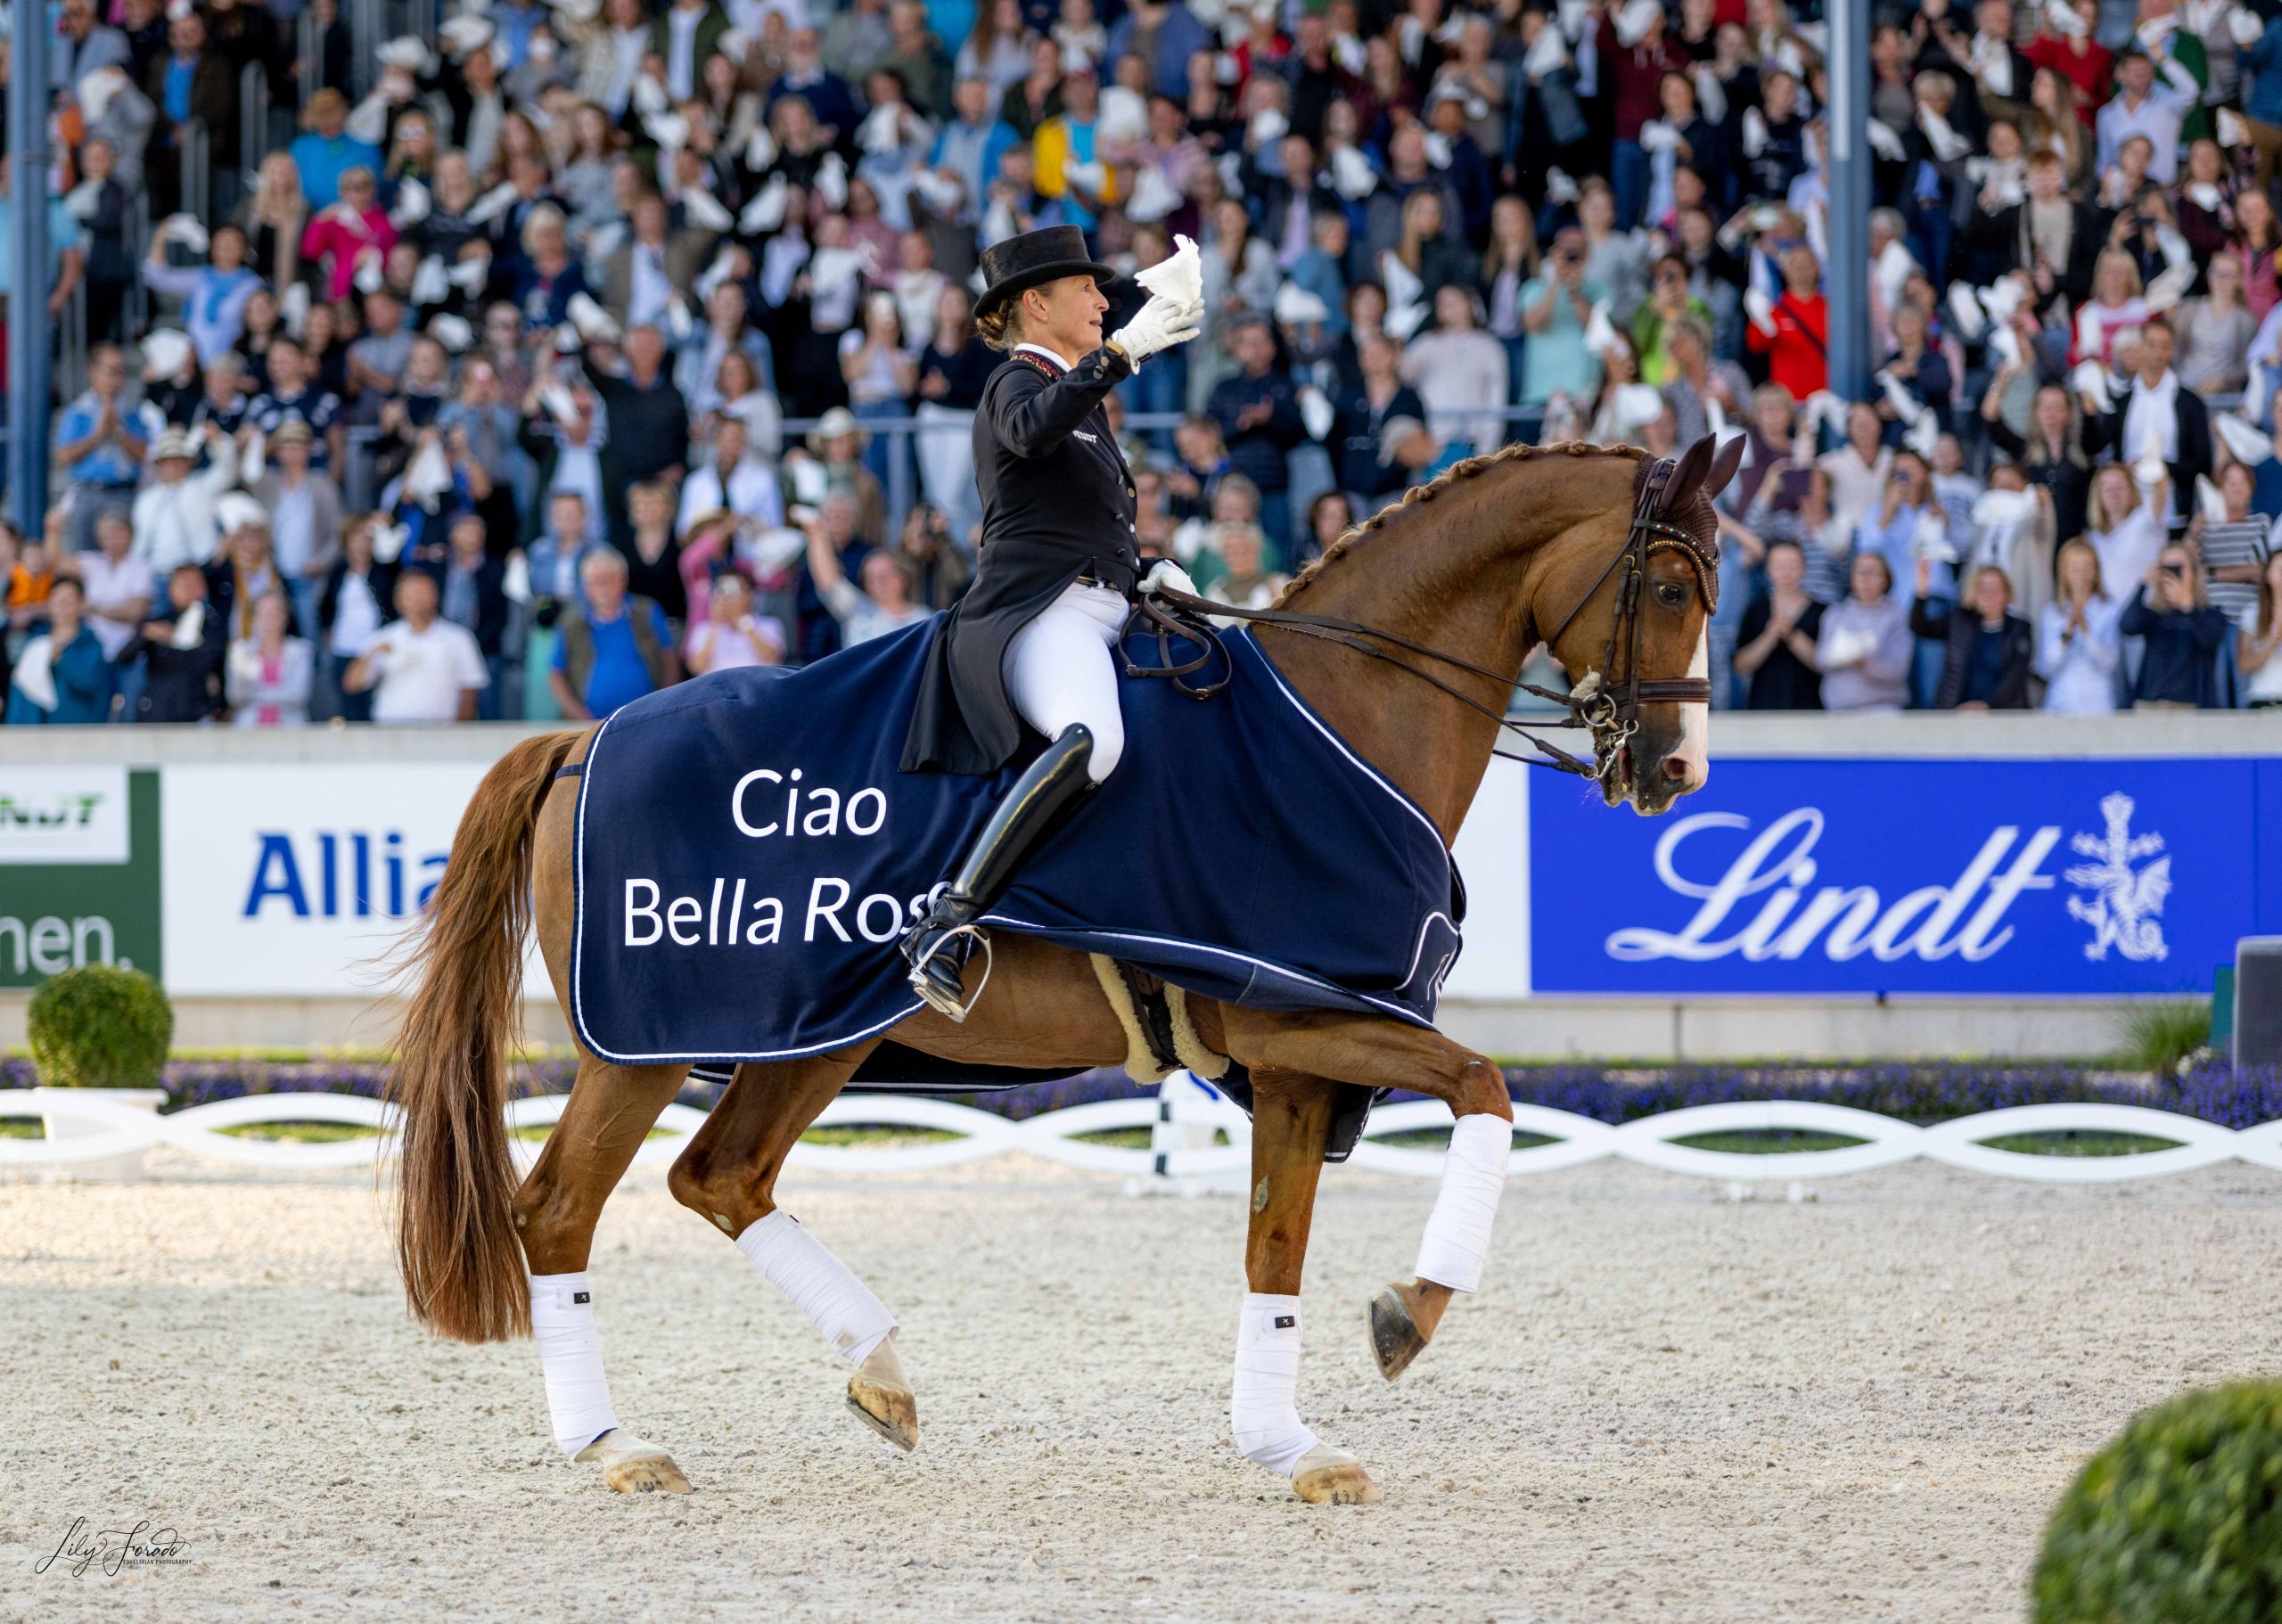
[[1034, 641]]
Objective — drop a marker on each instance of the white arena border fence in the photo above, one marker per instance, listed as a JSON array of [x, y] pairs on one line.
[[1185, 1121]]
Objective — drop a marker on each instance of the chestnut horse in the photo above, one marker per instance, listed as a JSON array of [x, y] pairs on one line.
[[1499, 554]]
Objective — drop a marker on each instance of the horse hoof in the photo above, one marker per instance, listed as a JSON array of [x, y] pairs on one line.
[[632, 1466], [652, 1474], [1395, 1338], [1325, 1476], [880, 1394], [892, 1412]]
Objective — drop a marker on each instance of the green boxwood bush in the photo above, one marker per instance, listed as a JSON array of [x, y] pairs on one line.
[[2179, 1519], [99, 1027]]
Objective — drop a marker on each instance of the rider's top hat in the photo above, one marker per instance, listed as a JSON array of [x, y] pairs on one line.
[[1035, 256]]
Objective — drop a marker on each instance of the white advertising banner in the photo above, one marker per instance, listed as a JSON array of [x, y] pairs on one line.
[[55, 815], [1493, 857], [296, 880], [292, 880]]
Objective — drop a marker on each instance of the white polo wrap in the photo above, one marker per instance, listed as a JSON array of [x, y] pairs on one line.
[[1456, 1241], [820, 1285], [1263, 1409], [571, 1359]]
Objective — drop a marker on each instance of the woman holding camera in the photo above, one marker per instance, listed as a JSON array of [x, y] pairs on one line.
[[940, 570], [2179, 670]]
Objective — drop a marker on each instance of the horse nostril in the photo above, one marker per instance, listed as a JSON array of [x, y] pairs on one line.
[[1675, 769]]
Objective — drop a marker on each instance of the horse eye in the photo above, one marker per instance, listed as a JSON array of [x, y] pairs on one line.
[[1671, 595]]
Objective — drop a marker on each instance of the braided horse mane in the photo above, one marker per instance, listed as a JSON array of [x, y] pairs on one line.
[[1458, 474]]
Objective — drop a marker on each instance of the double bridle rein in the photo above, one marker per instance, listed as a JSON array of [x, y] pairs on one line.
[[1603, 702]]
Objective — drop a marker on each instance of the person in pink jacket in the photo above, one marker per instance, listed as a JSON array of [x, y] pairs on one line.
[[342, 237]]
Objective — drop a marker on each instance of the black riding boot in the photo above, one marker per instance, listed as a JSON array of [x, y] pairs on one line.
[[941, 944]]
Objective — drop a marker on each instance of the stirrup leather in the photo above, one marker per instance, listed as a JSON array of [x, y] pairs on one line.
[[952, 1009]]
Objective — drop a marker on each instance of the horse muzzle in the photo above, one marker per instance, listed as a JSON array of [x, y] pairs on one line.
[[1649, 776]]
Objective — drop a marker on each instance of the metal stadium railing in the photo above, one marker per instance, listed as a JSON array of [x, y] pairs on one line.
[[196, 148]]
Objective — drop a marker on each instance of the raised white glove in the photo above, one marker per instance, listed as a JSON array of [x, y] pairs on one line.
[[1159, 325], [1165, 573]]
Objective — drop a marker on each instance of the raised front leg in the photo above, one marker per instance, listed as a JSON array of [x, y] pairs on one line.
[[1291, 1116], [1387, 1054], [727, 1175]]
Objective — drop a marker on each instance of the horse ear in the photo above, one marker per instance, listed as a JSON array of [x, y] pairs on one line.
[[1695, 463], [1724, 465]]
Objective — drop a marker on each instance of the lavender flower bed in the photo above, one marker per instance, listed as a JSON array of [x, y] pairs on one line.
[[1912, 1091]]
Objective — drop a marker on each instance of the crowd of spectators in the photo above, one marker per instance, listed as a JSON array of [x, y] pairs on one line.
[[472, 399]]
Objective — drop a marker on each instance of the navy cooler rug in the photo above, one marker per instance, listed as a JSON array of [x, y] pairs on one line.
[[748, 856]]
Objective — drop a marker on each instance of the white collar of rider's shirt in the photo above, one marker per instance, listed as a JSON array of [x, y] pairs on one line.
[[1040, 349]]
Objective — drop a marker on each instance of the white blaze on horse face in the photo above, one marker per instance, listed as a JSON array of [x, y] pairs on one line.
[[1694, 750]]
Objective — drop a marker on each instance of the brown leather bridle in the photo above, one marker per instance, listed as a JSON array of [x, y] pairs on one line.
[[1606, 703]]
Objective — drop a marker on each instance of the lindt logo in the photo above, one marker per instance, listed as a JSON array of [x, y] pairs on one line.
[[1766, 904]]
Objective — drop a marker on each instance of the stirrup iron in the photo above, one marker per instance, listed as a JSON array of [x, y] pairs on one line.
[[951, 1009]]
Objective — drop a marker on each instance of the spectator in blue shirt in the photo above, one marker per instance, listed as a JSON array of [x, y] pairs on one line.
[[213, 295], [1317, 269], [323, 152], [1556, 308], [619, 648], [61, 675], [1259, 413], [972, 144], [192, 81], [805, 76], [1169, 34], [100, 439], [1895, 530]]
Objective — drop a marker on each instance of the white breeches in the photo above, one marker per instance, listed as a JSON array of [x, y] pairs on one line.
[[1061, 669]]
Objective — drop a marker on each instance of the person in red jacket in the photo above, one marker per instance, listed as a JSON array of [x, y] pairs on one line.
[[1792, 332], [2070, 51]]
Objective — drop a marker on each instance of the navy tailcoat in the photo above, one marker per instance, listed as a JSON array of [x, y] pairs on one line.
[[1057, 503]]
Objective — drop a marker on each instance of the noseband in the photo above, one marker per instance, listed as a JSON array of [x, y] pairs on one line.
[[1603, 703], [1611, 707]]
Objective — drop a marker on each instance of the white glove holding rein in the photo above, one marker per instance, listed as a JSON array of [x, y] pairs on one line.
[[1165, 573]]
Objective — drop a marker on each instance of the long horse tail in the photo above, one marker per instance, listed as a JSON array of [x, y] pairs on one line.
[[463, 1271]]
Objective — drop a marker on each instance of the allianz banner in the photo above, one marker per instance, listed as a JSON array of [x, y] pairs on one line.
[[1949, 876], [301, 878]]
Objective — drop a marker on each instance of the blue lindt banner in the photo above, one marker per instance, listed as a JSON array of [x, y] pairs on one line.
[[1947, 876]]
